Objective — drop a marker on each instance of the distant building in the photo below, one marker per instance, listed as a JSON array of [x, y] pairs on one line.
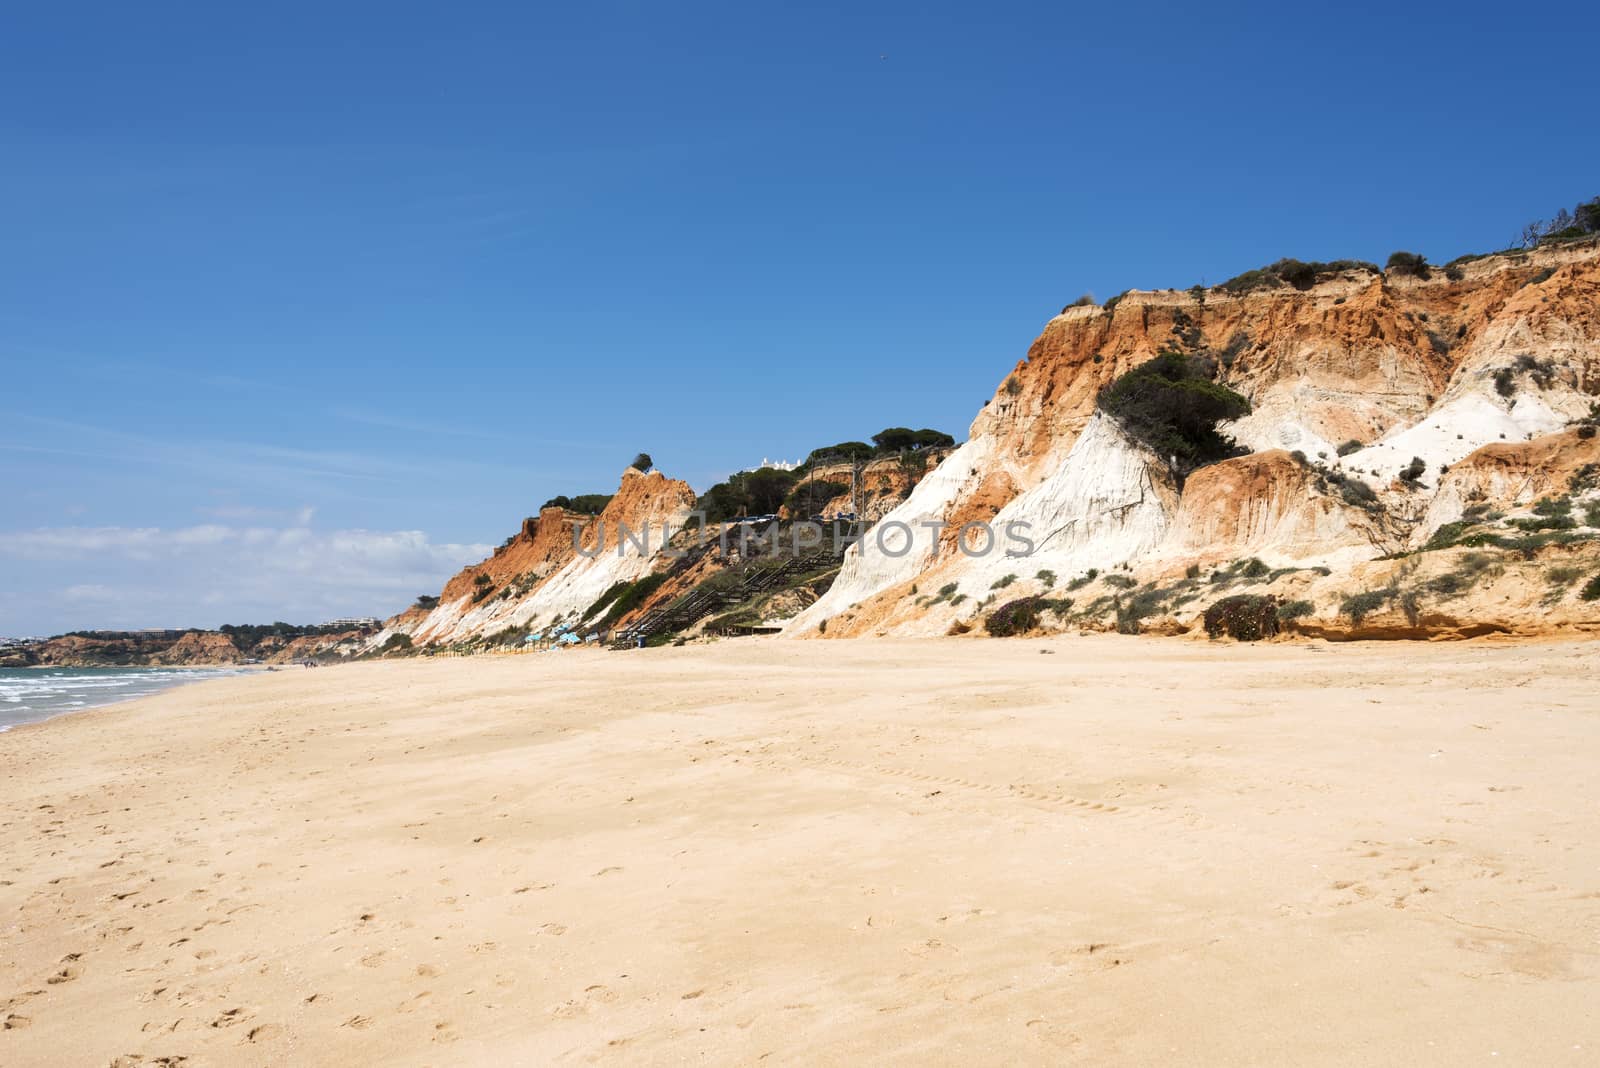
[[776, 465], [351, 622]]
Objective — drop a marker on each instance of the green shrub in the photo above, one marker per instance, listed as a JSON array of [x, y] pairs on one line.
[[643, 462], [1536, 523], [811, 497], [1122, 582], [1047, 577], [1563, 576], [1083, 580], [1553, 506], [1356, 492], [1244, 617], [397, 643], [1192, 571], [1014, 617], [1290, 272], [1003, 582], [1290, 611], [1359, 606], [1591, 589], [1132, 611], [1591, 514], [611, 594], [1448, 534], [1254, 568], [1543, 372], [1236, 346], [903, 439], [1471, 569], [427, 601], [629, 598], [843, 452], [1408, 263], [1172, 406], [1349, 447], [1505, 382], [1412, 471], [585, 503]]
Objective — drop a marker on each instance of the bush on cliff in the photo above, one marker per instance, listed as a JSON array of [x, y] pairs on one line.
[[628, 598], [1244, 617], [396, 645], [586, 503], [808, 498], [758, 492], [1022, 615], [1408, 263], [1172, 405], [1289, 272], [899, 438]]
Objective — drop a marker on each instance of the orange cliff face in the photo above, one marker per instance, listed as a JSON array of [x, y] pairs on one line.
[[1504, 349], [1478, 373], [541, 575]]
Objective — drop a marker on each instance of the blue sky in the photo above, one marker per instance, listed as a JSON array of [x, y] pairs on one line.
[[336, 293]]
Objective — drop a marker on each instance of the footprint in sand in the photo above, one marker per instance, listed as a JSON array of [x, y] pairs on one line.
[[597, 994], [17, 1023], [65, 975], [1096, 954], [230, 1017]]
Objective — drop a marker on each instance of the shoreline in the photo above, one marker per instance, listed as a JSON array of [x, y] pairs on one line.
[[901, 850], [113, 699]]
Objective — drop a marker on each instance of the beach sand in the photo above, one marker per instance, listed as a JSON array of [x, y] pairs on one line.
[[1128, 851]]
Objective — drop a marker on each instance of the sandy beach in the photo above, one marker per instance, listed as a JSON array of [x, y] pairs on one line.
[[1078, 850]]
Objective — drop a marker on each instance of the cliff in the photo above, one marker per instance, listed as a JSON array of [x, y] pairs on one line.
[[1480, 372], [556, 566], [181, 648]]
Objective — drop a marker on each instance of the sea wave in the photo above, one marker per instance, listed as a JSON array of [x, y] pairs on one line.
[[27, 694]]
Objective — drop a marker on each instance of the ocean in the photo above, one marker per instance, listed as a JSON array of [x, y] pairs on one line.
[[31, 694]]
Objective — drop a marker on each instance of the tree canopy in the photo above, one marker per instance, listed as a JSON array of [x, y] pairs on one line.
[[758, 492], [1172, 405], [586, 503], [899, 438]]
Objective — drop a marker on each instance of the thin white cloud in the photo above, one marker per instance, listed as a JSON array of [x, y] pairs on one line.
[[211, 573]]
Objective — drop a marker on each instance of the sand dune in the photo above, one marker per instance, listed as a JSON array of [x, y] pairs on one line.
[[946, 852]]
